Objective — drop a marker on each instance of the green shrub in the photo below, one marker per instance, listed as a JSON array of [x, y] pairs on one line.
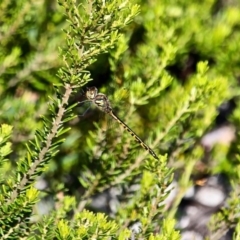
[[178, 60]]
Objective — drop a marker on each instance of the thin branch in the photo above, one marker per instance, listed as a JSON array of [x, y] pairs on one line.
[[56, 124]]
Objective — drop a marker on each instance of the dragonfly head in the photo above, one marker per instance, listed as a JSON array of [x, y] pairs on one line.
[[91, 93]]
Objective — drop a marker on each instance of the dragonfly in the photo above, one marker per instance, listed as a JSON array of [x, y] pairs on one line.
[[101, 101]]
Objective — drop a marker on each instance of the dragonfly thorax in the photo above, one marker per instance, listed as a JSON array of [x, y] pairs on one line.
[[103, 103]]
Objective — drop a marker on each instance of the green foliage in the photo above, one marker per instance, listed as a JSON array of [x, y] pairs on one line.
[[29, 36], [172, 102], [5, 133]]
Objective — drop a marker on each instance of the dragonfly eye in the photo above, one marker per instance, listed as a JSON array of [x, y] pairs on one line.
[[91, 93]]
